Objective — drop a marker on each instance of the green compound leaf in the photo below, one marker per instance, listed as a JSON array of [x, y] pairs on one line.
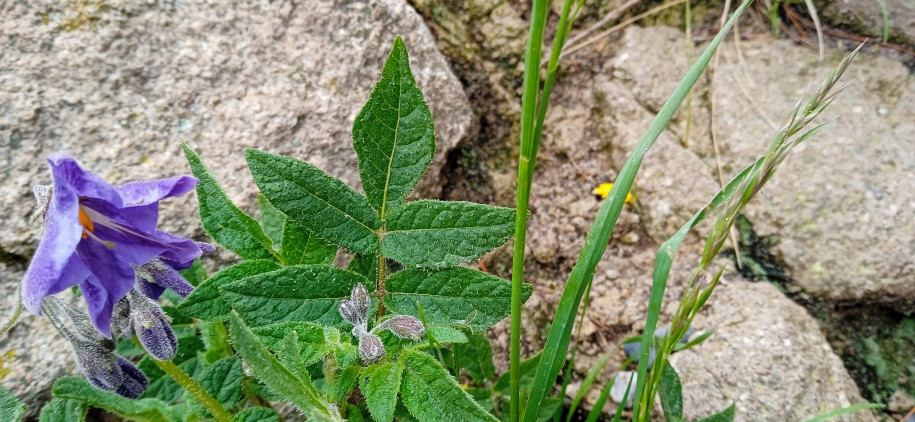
[[439, 234], [142, 410], [308, 293], [475, 357], [257, 414], [432, 394], [671, 393], [222, 380], [326, 206], [309, 336], [272, 220], [302, 247], [454, 296], [222, 220], [277, 377], [380, 384], [11, 408], [207, 303], [393, 135], [63, 410]]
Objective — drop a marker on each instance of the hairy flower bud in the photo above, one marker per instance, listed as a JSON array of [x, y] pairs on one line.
[[99, 365], [120, 320], [356, 310], [403, 326], [135, 381], [151, 326], [371, 348]]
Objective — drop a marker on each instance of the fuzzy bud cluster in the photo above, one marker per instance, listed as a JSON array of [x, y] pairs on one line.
[[94, 353], [355, 310]]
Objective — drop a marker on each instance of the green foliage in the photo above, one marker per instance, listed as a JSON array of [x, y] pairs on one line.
[[726, 415], [141, 410], [302, 247], [206, 302], [310, 338], [393, 135], [475, 357], [11, 408], [438, 234], [272, 220], [324, 205], [884, 356], [380, 384], [308, 293], [277, 377], [671, 393], [222, 380], [432, 394], [455, 296], [222, 220], [63, 410], [257, 414]]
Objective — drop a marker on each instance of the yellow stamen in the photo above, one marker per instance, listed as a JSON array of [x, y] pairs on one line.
[[86, 222]]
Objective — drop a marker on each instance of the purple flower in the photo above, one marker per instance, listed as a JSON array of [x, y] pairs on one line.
[[96, 234]]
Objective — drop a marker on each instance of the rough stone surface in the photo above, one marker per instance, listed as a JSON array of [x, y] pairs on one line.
[[774, 364], [842, 204], [866, 17], [120, 84], [40, 354]]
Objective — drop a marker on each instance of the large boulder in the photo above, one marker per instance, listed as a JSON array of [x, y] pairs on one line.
[[841, 205], [868, 18], [767, 357], [119, 84]]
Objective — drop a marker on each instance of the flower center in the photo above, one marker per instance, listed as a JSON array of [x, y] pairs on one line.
[[86, 222], [89, 226]]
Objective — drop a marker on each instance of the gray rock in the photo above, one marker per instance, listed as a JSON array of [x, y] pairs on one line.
[[625, 380], [40, 354], [774, 363], [866, 18], [119, 86], [841, 204]]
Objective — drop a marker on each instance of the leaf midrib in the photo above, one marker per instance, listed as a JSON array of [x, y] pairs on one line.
[[387, 176]]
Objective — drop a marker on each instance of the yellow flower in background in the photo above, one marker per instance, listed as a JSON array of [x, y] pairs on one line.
[[6, 358], [604, 189]]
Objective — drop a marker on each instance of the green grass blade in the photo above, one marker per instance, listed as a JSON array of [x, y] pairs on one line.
[[596, 242], [525, 171], [844, 411]]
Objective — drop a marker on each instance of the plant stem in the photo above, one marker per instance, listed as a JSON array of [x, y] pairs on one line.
[[17, 310], [528, 110], [185, 381], [379, 283]]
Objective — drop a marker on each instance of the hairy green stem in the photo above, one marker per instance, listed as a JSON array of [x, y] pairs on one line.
[[220, 414], [379, 281], [17, 310]]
